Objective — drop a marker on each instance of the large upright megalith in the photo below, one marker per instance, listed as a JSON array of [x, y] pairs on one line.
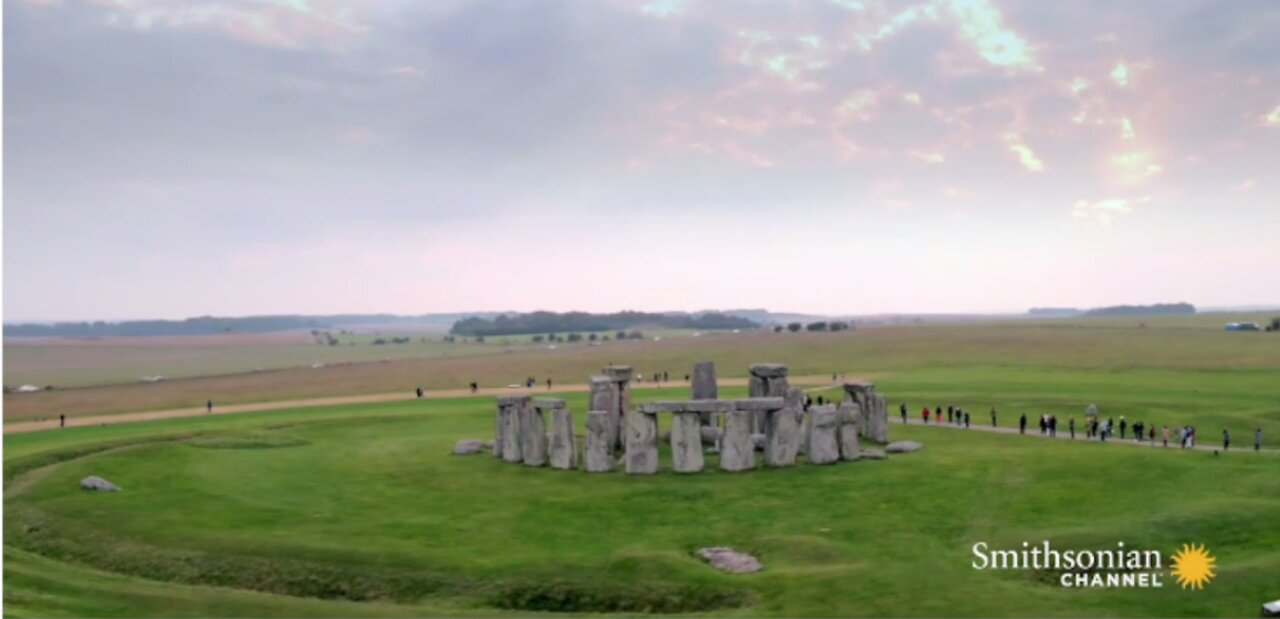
[[705, 387], [511, 412], [782, 440], [620, 375], [686, 442], [822, 447], [562, 450], [642, 443], [768, 380], [737, 451], [533, 435], [605, 397], [873, 422], [597, 454], [847, 433]]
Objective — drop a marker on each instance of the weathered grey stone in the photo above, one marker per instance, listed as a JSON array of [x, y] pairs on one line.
[[730, 560], [533, 436], [468, 447], [782, 442], [711, 435], [662, 406], [822, 446], [709, 406], [873, 454], [704, 381], [512, 400], [847, 433], [736, 450], [618, 373], [548, 404], [605, 396], [759, 404], [902, 447], [757, 441], [497, 432], [93, 482], [563, 453], [642, 444], [512, 440], [769, 370], [756, 387], [686, 443], [878, 419], [598, 453], [1091, 410]]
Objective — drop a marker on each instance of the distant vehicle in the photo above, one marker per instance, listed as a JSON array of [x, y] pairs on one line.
[[27, 389], [1243, 326]]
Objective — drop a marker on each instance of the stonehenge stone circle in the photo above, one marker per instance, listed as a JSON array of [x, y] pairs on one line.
[[642, 443], [686, 442], [737, 453], [773, 420], [598, 452], [847, 434], [822, 447]]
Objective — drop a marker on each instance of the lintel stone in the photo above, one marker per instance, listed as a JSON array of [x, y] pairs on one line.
[[512, 400], [548, 403], [769, 370], [758, 404]]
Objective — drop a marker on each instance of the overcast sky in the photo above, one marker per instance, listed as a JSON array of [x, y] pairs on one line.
[[170, 158]]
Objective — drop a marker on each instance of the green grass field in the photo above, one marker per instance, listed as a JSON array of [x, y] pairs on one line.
[[361, 511]]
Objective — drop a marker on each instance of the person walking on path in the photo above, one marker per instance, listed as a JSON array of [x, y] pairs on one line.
[[208, 406], [548, 384], [1053, 426], [902, 410], [1226, 439], [1122, 426], [925, 413], [419, 393], [950, 414], [937, 416], [62, 421], [1257, 439], [1151, 434], [1022, 424], [966, 419], [993, 416], [1071, 426]]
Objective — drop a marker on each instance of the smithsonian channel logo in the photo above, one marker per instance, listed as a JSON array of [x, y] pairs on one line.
[[1192, 567]]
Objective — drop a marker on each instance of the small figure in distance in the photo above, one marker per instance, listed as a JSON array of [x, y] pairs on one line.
[[474, 386], [993, 416], [1022, 424], [1257, 439], [1226, 439], [208, 406], [548, 383], [62, 421], [419, 392], [902, 410]]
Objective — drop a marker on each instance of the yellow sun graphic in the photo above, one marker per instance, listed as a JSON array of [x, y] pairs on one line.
[[1193, 566]]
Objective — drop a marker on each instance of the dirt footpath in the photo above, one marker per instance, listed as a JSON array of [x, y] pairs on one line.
[[679, 389]]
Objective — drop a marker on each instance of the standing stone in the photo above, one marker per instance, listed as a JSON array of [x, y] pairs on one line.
[[621, 377], [512, 418], [705, 387], [686, 442], [598, 455], [861, 393], [737, 453], [782, 441], [564, 449], [823, 447], [498, 424], [642, 443], [768, 380], [848, 431], [533, 436], [878, 419], [605, 397]]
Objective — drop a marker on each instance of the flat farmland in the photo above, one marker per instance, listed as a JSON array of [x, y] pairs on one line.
[[1182, 367]]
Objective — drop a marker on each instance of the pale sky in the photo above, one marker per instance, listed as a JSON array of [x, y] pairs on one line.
[[171, 158]]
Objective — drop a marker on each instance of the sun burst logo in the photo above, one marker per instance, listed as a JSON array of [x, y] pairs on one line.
[[1193, 566]]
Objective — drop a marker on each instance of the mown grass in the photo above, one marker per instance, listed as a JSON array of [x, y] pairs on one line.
[[365, 503]]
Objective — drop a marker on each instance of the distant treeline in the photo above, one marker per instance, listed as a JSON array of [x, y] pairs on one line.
[[553, 322], [1158, 309], [208, 325]]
